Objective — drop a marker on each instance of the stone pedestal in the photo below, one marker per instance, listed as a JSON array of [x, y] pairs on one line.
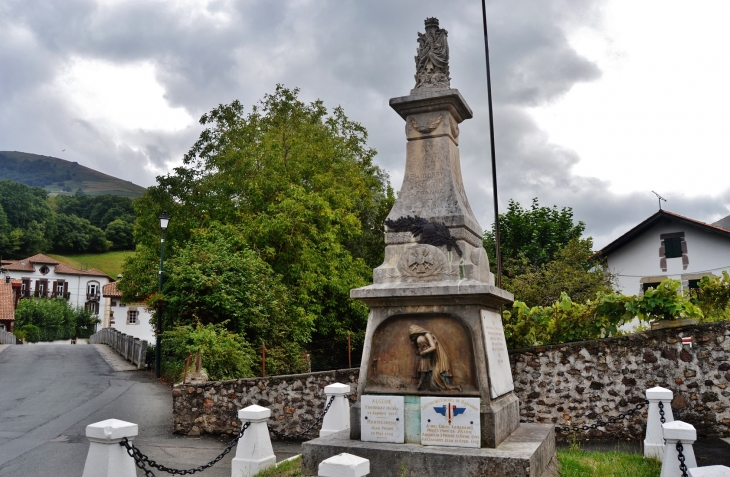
[[528, 452]]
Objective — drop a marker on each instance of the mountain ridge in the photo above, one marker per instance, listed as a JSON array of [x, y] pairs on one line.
[[61, 177]]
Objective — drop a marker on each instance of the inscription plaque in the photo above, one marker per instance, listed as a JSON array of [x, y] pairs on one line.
[[381, 419], [450, 422], [500, 374]]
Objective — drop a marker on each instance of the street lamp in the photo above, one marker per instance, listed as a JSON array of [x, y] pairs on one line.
[[164, 220]]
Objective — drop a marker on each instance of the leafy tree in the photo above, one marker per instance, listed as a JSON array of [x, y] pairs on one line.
[[569, 272], [545, 254], [216, 277], [296, 182], [29, 218], [121, 234], [77, 235], [531, 236]]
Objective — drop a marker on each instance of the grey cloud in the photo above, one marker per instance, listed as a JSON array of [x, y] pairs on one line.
[[354, 54]]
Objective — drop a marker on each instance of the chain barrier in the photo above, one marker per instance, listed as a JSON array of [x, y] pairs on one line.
[[661, 413], [598, 424], [142, 461], [318, 421], [680, 456]]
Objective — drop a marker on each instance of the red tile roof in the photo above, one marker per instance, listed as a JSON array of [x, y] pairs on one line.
[[7, 306], [110, 290], [20, 266], [40, 258], [65, 269]]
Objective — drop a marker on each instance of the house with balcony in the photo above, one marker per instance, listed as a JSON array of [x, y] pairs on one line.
[[41, 276], [130, 318]]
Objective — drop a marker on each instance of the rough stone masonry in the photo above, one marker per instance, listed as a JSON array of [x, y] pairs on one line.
[[569, 384], [578, 383]]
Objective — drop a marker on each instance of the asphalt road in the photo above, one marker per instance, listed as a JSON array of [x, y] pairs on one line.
[[50, 393]]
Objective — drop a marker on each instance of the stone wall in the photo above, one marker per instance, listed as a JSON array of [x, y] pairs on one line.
[[578, 383], [570, 384], [295, 402]]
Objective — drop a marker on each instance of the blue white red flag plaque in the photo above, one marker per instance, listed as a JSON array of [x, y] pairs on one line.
[[450, 421]]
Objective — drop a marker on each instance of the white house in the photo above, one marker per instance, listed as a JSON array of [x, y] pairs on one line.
[[42, 276], [130, 318], [668, 245]]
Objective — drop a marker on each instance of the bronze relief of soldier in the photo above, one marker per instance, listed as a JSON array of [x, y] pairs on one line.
[[433, 369]]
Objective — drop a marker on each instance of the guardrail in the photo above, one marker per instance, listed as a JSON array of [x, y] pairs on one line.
[[131, 348], [7, 338]]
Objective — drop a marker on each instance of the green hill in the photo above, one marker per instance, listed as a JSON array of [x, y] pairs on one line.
[[59, 176]]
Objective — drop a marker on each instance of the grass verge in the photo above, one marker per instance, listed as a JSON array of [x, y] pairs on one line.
[[578, 463], [290, 468], [109, 262], [575, 463]]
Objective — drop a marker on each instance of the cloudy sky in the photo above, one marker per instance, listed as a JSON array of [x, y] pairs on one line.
[[596, 103]]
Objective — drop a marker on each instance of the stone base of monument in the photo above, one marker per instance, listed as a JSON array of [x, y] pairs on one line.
[[528, 452]]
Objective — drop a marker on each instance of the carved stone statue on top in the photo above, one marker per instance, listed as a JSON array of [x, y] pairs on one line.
[[432, 58]]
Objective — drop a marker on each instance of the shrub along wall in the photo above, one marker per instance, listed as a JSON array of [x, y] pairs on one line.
[[578, 383], [295, 401], [569, 384]]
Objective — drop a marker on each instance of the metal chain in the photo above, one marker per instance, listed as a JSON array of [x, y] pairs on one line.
[[680, 456], [661, 413], [142, 461], [598, 424], [306, 431]]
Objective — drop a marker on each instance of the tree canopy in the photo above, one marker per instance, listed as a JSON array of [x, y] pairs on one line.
[[31, 222], [544, 254], [298, 185]]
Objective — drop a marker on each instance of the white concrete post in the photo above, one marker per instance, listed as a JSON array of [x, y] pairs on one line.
[[710, 471], [674, 432], [654, 441], [253, 452], [344, 465], [338, 417], [106, 458]]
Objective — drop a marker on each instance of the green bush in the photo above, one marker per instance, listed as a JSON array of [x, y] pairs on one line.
[[55, 319], [713, 297], [224, 355], [31, 333], [567, 321]]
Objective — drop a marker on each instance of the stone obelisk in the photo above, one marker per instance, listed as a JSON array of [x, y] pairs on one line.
[[435, 393], [436, 274]]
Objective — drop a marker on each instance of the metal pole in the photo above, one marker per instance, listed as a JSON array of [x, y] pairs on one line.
[[494, 160], [349, 351], [158, 338], [263, 359]]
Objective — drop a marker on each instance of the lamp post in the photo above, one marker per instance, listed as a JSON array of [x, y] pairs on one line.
[[164, 220]]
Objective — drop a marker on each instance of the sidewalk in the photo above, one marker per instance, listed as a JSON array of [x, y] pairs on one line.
[[114, 359]]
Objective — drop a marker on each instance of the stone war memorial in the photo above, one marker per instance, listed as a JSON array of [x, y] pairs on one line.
[[435, 395]]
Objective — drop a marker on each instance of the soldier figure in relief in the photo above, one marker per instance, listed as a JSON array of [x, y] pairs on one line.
[[433, 367]]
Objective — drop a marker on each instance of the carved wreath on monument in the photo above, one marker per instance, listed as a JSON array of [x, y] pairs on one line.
[[431, 233]]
